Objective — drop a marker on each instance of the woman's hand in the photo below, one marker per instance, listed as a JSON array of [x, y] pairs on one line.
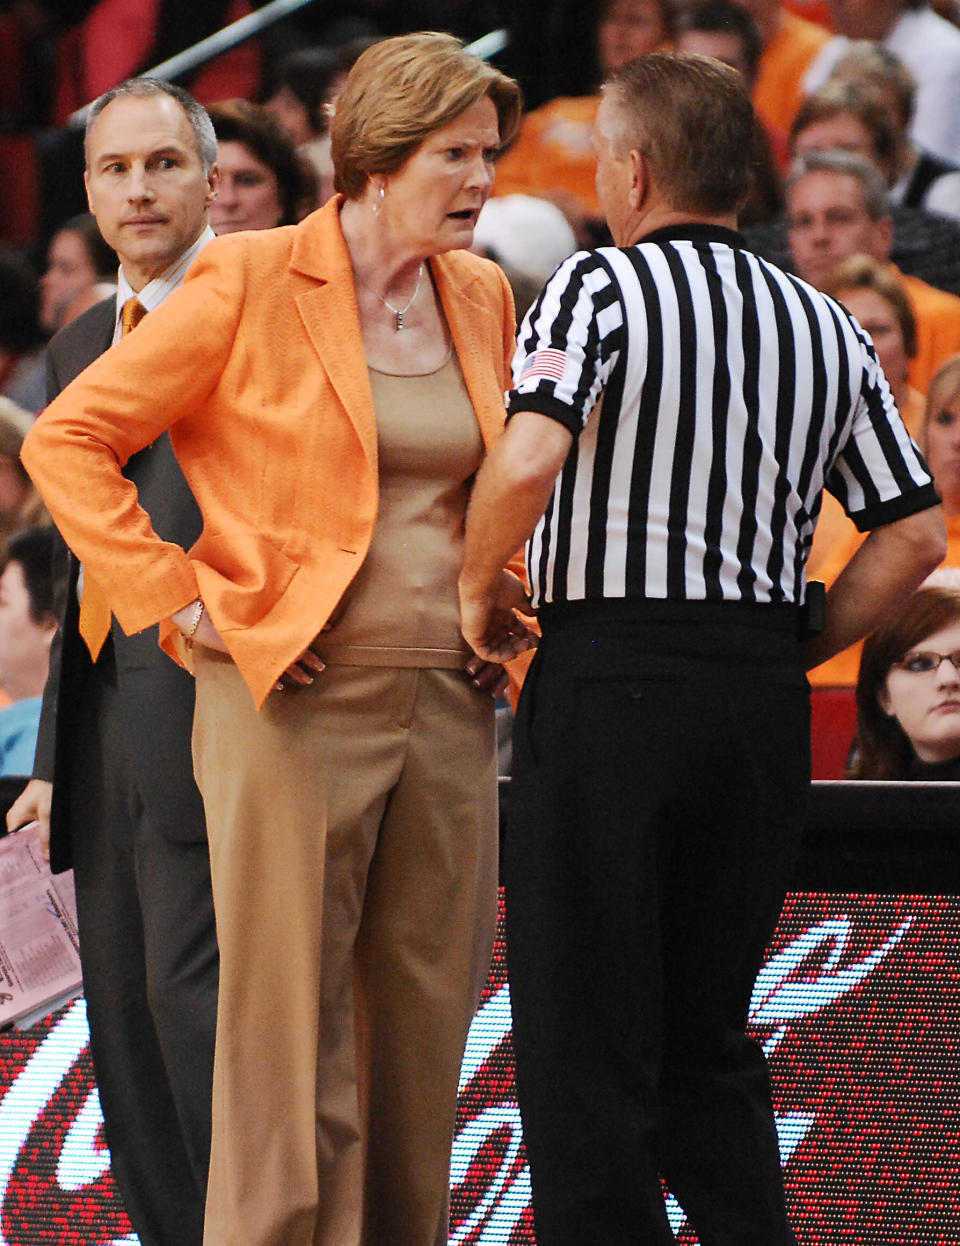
[[298, 673], [487, 676], [490, 622], [204, 633], [301, 672]]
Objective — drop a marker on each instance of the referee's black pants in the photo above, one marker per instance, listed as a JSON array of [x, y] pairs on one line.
[[661, 768]]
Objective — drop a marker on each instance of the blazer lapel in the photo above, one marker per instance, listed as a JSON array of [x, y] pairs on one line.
[[329, 314], [478, 341]]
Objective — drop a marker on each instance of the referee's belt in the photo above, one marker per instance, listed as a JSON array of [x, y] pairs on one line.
[[770, 616]]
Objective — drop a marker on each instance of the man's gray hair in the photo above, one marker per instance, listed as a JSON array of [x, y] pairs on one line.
[[197, 115], [849, 164]]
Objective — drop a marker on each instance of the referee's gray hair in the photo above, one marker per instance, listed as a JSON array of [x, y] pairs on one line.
[[200, 123], [848, 164]]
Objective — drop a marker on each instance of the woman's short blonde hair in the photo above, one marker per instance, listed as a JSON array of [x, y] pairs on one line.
[[399, 91], [863, 272], [944, 388]]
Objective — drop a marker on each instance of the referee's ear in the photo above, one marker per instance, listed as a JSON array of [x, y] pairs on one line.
[[640, 183]]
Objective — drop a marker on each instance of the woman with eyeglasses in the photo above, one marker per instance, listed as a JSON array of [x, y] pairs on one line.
[[908, 693]]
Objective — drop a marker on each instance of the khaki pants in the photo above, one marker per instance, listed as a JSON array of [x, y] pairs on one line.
[[353, 855]]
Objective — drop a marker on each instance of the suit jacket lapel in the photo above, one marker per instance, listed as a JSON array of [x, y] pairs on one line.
[[84, 340]]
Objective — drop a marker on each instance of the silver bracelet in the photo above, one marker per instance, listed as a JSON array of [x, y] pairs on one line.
[[195, 621]]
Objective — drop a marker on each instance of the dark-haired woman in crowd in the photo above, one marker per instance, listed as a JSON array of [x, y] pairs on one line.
[[908, 693], [301, 92], [307, 83], [78, 261], [263, 181]]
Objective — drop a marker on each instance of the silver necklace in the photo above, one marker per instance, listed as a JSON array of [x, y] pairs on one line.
[[400, 312]]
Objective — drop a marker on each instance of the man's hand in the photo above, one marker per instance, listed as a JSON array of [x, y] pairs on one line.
[[489, 621], [510, 493], [33, 805]]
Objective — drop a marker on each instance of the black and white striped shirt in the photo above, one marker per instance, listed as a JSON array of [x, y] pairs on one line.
[[711, 397]]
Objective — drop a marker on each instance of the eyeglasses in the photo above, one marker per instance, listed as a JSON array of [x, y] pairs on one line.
[[923, 662]]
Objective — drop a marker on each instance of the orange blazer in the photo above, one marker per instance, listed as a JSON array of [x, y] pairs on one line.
[[256, 366]]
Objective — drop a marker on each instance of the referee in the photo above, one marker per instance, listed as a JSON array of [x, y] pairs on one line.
[[678, 407]]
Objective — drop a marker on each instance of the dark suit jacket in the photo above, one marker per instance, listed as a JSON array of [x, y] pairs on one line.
[[157, 695]]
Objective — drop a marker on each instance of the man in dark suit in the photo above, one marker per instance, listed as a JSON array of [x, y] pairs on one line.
[[113, 777]]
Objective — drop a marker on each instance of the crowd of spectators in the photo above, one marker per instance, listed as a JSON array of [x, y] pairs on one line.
[[856, 156]]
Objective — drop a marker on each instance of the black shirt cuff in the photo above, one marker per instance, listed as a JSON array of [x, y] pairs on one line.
[[547, 404], [882, 513]]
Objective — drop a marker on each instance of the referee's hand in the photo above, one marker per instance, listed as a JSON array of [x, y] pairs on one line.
[[490, 621]]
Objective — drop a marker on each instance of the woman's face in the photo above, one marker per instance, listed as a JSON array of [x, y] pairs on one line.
[[627, 29], [24, 643], [880, 320], [248, 196], [943, 451], [926, 703], [69, 271], [432, 203]]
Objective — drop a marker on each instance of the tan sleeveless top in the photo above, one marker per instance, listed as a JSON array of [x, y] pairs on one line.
[[402, 608]]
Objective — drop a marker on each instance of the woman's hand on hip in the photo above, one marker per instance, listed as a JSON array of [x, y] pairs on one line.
[[301, 672], [198, 631], [487, 676]]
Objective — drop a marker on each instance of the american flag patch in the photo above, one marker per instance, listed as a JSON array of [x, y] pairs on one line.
[[548, 364]]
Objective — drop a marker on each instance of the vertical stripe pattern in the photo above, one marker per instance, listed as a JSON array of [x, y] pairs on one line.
[[711, 397]]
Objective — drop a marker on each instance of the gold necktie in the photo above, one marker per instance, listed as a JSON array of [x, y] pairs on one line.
[[94, 610], [132, 313]]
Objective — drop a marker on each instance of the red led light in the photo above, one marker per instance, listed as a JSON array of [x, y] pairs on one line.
[[858, 1007]]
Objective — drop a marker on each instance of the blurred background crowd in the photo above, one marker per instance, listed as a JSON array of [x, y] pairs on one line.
[[856, 160]]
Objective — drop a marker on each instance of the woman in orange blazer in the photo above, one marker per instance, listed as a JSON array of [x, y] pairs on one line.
[[329, 390]]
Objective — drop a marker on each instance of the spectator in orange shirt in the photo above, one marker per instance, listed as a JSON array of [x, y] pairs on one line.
[[726, 31], [940, 441], [553, 156], [790, 46], [878, 299]]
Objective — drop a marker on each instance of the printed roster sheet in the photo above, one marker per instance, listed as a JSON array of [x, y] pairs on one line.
[[39, 946]]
